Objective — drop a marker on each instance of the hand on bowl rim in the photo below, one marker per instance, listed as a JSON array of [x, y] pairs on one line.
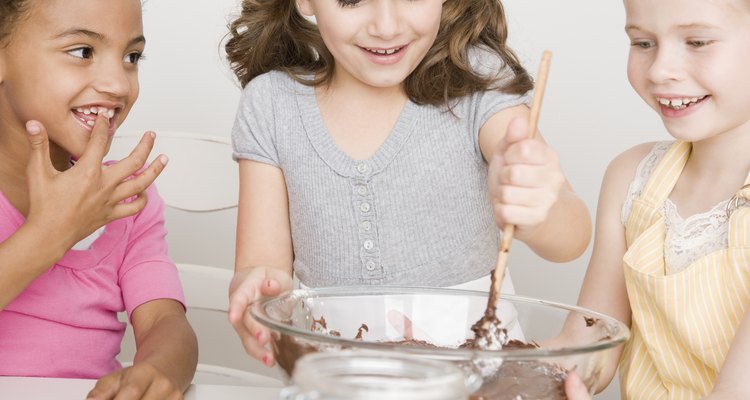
[[250, 285]]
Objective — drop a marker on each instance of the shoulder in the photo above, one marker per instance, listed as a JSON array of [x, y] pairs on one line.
[[268, 85], [622, 170], [270, 79], [628, 163]]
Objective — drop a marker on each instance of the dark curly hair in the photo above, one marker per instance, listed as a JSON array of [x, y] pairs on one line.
[[10, 12], [272, 35]]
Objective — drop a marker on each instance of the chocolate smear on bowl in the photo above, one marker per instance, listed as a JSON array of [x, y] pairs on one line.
[[507, 379], [511, 380]]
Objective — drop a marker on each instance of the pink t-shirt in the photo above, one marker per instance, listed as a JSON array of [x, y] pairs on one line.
[[65, 323]]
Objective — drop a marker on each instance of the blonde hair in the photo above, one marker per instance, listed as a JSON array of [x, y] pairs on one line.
[[272, 35]]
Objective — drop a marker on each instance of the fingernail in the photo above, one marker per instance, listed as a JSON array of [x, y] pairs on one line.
[[152, 134], [265, 360], [163, 159], [33, 128]]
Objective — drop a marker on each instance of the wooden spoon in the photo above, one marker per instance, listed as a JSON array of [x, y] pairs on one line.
[[487, 332]]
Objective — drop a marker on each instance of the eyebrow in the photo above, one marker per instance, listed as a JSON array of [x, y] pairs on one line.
[[695, 25], [96, 36]]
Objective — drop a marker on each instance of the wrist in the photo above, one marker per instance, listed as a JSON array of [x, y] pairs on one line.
[[39, 241]]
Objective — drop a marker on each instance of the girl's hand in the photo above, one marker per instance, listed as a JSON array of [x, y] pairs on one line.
[[140, 381], [249, 285], [524, 179], [575, 389], [76, 202]]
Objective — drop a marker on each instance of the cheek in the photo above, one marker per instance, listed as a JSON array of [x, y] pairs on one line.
[[136, 88], [428, 22], [635, 71]]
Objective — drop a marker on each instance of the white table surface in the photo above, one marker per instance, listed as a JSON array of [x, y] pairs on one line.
[[26, 388]]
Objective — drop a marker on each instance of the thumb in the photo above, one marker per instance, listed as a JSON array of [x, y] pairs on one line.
[[270, 287], [39, 158], [238, 303], [575, 389], [518, 129]]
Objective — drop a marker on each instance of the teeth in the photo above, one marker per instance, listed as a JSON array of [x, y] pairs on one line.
[[679, 103], [109, 113], [383, 51]]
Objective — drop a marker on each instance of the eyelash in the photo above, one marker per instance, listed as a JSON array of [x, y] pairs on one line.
[[351, 3], [348, 3], [699, 43], [645, 45], [81, 49], [138, 57], [642, 44], [132, 58]]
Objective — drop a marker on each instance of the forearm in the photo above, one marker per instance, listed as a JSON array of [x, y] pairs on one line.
[[732, 383], [566, 232], [24, 256], [726, 396], [171, 347]]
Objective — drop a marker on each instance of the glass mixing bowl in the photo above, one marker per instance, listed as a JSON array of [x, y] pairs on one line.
[[547, 339]]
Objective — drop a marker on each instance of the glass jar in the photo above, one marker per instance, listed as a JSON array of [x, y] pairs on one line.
[[362, 375]]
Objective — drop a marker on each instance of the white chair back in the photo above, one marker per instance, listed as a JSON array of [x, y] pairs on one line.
[[200, 176], [200, 189]]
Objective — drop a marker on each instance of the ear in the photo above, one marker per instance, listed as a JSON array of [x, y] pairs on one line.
[[305, 8]]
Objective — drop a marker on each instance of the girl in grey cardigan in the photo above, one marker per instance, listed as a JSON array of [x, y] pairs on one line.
[[384, 142]]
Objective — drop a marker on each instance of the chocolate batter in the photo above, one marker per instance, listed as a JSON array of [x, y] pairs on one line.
[[513, 380]]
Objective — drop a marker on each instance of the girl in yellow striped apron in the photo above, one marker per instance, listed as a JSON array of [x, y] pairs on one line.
[[678, 274]]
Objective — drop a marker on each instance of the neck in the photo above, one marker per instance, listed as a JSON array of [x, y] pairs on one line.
[[723, 154], [15, 152], [347, 87], [13, 177]]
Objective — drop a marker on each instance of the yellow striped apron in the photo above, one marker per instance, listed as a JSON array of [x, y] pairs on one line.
[[682, 323]]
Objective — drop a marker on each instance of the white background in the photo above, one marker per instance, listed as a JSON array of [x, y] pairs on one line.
[[590, 113]]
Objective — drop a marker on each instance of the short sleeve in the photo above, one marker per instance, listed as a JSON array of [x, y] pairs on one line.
[[147, 273], [254, 127], [481, 106]]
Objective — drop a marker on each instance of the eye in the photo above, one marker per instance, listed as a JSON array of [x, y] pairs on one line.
[[348, 3], [699, 43], [84, 52], [134, 57], [642, 44]]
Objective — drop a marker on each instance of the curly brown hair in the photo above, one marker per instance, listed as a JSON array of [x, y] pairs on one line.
[[10, 12], [272, 35]]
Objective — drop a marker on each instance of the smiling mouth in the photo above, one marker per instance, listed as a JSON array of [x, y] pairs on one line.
[[383, 52], [679, 103]]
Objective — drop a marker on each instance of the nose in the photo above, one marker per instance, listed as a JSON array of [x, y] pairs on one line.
[[667, 65], [385, 21], [114, 77]]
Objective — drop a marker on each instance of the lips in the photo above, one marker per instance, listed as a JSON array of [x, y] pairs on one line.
[[385, 55], [679, 103], [383, 52], [679, 107]]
